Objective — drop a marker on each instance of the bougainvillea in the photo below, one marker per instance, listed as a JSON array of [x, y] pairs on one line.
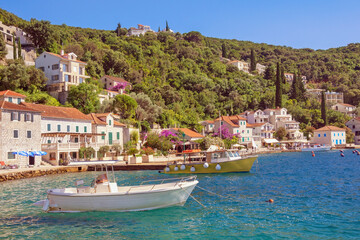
[[225, 133], [121, 85]]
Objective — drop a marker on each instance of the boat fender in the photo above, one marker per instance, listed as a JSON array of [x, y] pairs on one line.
[[206, 165], [342, 155], [167, 169], [192, 169], [176, 168], [218, 167], [182, 167]]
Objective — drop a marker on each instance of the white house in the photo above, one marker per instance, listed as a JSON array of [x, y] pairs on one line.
[[62, 72], [11, 96], [141, 30], [257, 116], [345, 108], [330, 135], [236, 125], [208, 126], [241, 65], [354, 125]]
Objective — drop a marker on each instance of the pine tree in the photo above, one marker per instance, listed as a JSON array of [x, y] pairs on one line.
[[323, 108], [14, 47], [278, 94], [224, 50], [167, 26], [252, 61], [3, 50], [19, 48]]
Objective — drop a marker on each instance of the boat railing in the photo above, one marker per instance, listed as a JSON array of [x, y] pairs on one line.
[[164, 180]]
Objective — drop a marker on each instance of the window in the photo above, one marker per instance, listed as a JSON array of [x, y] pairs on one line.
[[44, 56], [81, 80], [103, 137], [28, 117], [324, 134], [65, 68], [16, 133], [68, 128], [109, 122], [77, 128], [55, 67], [10, 99], [75, 69], [247, 131], [353, 126], [319, 135], [85, 128], [58, 127], [11, 155], [76, 140], [66, 78], [19, 100], [342, 134], [42, 69], [15, 116], [48, 141], [55, 77], [338, 134], [49, 127], [222, 123], [28, 134], [118, 135]]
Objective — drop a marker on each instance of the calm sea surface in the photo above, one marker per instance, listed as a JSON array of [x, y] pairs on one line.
[[314, 198]]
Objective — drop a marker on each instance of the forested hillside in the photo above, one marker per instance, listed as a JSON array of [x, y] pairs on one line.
[[187, 77]]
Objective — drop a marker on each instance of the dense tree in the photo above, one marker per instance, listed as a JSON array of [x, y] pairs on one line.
[[85, 97], [278, 93], [124, 105], [3, 50], [252, 61], [146, 110], [323, 109], [41, 33], [224, 50], [269, 73]]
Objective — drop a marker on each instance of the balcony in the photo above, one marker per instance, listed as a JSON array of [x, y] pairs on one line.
[[69, 147]]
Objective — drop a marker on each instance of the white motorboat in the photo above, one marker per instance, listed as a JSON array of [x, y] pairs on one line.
[[107, 196], [315, 148]]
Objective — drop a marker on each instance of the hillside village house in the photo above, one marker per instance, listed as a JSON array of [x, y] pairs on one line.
[[189, 136], [330, 136], [354, 125], [62, 72], [28, 53], [262, 131], [112, 87], [257, 116], [141, 30], [112, 132], [236, 125], [19, 131], [241, 65], [330, 97], [345, 108], [289, 77], [64, 131], [208, 126]]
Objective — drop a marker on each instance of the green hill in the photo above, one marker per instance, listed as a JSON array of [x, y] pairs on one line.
[[186, 75]]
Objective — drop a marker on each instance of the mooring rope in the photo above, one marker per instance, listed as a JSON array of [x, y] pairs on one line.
[[219, 195]]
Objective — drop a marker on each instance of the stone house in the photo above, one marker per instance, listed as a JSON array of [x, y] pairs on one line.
[[62, 72], [208, 126], [11, 96], [345, 108], [19, 127], [236, 125], [330, 136], [354, 125]]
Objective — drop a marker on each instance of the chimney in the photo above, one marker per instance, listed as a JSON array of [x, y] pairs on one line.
[[62, 52]]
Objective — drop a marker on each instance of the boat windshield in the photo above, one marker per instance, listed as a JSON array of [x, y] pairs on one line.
[[236, 154], [230, 154]]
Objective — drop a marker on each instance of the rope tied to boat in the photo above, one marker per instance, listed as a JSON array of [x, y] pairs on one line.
[[219, 195]]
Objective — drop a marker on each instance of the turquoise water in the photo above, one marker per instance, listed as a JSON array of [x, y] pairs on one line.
[[314, 198]]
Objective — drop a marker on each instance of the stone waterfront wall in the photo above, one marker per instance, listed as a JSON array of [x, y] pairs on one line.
[[29, 173]]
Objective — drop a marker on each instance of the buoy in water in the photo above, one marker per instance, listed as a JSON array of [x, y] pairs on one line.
[[353, 151], [313, 154], [270, 200], [341, 151], [342, 155]]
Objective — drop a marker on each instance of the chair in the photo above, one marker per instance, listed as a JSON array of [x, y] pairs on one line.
[[2, 165]]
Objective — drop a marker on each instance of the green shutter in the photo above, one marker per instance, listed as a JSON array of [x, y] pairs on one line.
[[77, 128], [85, 129], [118, 135], [103, 137], [110, 138]]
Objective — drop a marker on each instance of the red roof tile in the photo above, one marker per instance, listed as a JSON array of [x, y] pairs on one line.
[[189, 132], [116, 79], [11, 94], [330, 128], [64, 58], [346, 105], [95, 119], [13, 106], [57, 112], [232, 120]]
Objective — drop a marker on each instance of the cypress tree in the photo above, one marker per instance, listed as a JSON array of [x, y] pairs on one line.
[[159, 29], [252, 61], [269, 73], [19, 48], [294, 88], [224, 50], [278, 94], [118, 30], [323, 108], [301, 87], [14, 47], [167, 26]]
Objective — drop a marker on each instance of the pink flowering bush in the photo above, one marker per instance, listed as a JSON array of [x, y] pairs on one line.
[[225, 133]]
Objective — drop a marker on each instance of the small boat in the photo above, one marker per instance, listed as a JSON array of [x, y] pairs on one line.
[[315, 148], [104, 195], [218, 161]]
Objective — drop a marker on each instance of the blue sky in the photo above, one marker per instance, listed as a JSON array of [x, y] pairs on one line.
[[316, 24]]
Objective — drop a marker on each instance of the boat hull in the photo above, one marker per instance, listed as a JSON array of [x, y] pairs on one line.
[[240, 165], [319, 149], [121, 202]]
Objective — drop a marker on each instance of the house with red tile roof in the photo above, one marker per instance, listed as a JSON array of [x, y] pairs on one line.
[[330, 136], [208, 126], [141, 30], [190, 135], [236, 125], [113, 86], [112, 132], [19, 132], [11, 96], [354, 125], [62, 72], [345, 108], [64, 131]]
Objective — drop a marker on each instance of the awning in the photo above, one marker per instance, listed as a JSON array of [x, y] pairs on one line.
[[270, 140]]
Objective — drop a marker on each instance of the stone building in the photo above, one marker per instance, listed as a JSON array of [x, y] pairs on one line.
[[19, 128]]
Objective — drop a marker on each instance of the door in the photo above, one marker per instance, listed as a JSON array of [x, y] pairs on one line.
[[110, 138], [31, 160], [340, 141]]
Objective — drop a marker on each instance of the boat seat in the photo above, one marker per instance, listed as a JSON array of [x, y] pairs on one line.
[[84, 189], [101, 188]]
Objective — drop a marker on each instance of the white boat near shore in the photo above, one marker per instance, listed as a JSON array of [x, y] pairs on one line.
[[315, 148], [107, 196]]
